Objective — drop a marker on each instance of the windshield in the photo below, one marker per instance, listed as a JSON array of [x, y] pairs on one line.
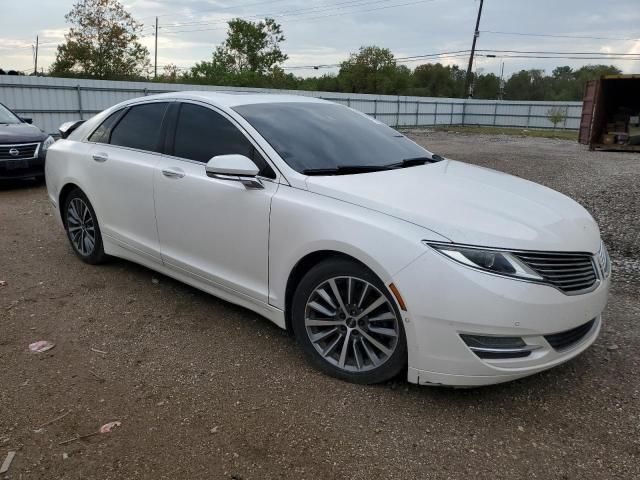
[[6, 116], [318, 136]]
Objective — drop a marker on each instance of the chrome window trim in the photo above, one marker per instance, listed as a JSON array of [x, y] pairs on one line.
[[592, 257]]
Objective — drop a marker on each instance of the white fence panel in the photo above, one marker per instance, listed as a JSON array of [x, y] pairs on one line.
[[52, 101]]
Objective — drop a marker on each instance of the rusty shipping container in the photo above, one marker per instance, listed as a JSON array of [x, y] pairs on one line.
[[611, 113]]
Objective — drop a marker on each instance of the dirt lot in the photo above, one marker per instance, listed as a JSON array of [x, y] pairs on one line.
[[205, 389]]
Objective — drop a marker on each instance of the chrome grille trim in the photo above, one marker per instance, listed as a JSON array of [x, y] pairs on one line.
[[25, 151], [572, 273]]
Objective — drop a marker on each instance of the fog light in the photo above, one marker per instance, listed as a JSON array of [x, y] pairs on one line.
[[491, 347]]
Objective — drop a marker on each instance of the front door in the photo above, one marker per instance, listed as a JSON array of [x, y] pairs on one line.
[[215, 230]]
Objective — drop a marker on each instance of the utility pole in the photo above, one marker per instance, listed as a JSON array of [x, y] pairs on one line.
[[35, 67], [476, 34], [155, 64], [501, 92]]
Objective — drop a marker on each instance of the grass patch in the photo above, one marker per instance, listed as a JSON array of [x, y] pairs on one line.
[[520, 132]]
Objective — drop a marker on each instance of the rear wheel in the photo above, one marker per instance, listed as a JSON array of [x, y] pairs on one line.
[[348, 324], [82, 227]]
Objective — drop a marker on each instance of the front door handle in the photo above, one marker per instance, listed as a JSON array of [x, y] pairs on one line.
[[173, 173], [100, 157]]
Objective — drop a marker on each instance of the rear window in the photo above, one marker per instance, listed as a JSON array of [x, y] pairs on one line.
[[326, 135], [140, 127]]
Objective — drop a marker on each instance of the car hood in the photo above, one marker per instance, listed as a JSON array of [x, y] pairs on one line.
[[471, 205], [20, 133]]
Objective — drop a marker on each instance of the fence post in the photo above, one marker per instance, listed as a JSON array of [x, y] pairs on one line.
[[348, 101], [435, 116], [398, 113], [495, 113], [529, 116], [375, 108], [452, 105], [80, 111], [417, 111], [566, 114], [464, 111], [145, 91]]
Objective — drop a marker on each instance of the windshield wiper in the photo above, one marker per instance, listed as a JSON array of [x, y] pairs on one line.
[[345, 169], [415, 161]]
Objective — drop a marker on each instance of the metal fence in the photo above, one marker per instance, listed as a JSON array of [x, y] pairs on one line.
[[52, 101]]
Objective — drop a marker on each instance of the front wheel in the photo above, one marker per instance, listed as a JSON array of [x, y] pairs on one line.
[[82, 228], [348, 324]]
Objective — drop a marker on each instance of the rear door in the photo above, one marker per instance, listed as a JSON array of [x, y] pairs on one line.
[[212, 229], [125, 153]]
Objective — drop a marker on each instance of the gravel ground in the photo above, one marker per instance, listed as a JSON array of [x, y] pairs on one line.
[[205, 389]]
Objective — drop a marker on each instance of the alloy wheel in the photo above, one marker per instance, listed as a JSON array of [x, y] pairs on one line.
[[81, 226], [351, 324]]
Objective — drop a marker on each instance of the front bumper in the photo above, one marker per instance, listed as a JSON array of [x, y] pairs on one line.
[[445, 299], [21, 168]]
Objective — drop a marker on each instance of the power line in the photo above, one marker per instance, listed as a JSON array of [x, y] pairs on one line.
[[320, 16], [557, 53], [587, 37], [198, 12]]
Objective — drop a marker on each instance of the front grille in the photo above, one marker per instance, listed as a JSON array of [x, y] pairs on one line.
[[24, 150], [569, 272], [568, 338]]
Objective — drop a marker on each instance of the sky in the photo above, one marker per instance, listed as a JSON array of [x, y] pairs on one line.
[[325, 32]]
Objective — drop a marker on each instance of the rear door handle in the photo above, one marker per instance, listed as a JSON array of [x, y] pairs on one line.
[[173, 173], [100, 157]]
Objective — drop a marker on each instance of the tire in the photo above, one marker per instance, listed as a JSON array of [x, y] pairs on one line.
[[375, 349], [81, 225]]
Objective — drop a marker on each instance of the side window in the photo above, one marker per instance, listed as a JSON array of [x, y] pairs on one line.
[[140, 127], [101, 134], [202, 133]]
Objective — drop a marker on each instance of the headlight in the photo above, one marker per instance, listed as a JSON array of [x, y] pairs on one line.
[[492, 261], [47, 143]]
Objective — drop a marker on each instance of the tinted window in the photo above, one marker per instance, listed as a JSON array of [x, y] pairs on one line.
[[322, 135], [140, 127], [101, 134], [202, 133]]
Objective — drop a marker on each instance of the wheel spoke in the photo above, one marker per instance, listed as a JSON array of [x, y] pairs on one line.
[[311, 322], [375, 342], [357, 355], [345, 348], [382, 317], [387, 332], [375, 360], [326, 297], [364, 293], [332, 346], [323, 310], [321, 336], [349, 284], [381, 299], [336, 293]]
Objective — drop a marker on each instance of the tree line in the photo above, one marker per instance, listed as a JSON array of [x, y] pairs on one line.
[[104, 42]]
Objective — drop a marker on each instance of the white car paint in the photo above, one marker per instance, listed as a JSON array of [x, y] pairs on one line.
[[242, 244]]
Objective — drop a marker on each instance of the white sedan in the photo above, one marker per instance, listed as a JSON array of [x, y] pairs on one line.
[[381, 257]]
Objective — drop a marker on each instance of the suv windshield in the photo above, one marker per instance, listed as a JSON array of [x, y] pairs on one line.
[[6, 116], [324, 136]]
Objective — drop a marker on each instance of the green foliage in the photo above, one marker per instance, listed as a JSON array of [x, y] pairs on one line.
[[556, 115], [250, 56], [101, 43], [373, 70]]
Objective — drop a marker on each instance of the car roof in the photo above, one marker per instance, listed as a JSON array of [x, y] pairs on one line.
[[234, 99]]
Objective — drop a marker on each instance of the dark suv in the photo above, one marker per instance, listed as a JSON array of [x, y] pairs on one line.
[[22, 146]]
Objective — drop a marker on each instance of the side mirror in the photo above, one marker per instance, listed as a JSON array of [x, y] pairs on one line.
[[67, 127], [234, 167], [27, 120]]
